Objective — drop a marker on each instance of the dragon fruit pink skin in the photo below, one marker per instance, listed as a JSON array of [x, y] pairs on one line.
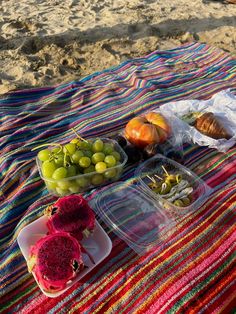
[[55, 259], [71, 214]]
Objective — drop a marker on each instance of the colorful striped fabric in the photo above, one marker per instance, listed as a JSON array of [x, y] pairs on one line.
[[194, 272]]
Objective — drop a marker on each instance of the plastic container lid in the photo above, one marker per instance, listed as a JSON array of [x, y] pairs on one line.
[[132, 215]]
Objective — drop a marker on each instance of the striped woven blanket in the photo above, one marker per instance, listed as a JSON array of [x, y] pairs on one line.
[[195, 271]]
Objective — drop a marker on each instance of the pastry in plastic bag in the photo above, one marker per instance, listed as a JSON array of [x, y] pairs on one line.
[[208, 124]]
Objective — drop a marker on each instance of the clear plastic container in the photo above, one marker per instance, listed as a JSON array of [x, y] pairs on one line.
[[172, 149], [133, 215], [143, 219], [87, 181], [173, 196]]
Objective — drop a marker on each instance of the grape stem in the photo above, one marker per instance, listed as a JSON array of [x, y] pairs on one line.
[[64, 161], [79, 137], [48, 144]]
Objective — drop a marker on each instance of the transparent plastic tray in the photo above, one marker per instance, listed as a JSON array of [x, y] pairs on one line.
[[83, 182], [154, 166]]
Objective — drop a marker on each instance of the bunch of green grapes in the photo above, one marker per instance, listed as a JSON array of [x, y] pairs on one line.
[[80, 164]]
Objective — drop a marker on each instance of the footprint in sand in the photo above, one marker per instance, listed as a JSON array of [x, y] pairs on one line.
[[25, 26], [13, 27]]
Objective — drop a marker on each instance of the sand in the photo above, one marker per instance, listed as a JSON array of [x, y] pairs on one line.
[[48, 42]]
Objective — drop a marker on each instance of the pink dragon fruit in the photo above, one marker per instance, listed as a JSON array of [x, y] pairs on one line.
[[55, 259], [71, 214]]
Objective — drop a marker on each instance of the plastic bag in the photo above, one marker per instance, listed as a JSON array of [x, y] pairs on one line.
[[222, 104]]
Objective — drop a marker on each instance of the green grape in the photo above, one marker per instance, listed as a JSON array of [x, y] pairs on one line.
[[80, 170], [87, 145], [97, 179], [69, 148], [56, 150], [110, 160], [62, 192], [77, 155], [90, 169], [59, 173], [108, 149], [88, 153], [51, 185], [84, 162], [110, 173], [63, 184], [59, 160], [116, 155], [74, 188], [44, 154], [97, 157], [71, 171], [97, 146], [48, 168], [100, 167], [75, 141], [84, 145], [80, 144], [82, 182]]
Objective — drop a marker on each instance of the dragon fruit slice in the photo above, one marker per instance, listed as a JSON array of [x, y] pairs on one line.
[[55, 259], [71, 214]]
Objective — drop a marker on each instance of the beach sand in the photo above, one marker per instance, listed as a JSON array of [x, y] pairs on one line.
[[48, 42]]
